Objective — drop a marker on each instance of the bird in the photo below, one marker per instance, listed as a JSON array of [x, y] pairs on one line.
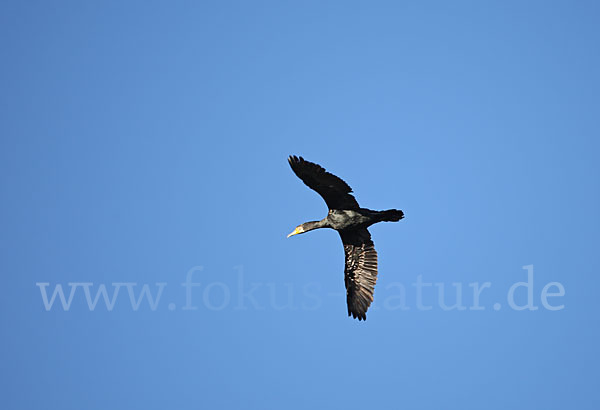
[[351, 221]]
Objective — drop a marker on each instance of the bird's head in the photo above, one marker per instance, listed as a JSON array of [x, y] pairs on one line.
[[299, 229]]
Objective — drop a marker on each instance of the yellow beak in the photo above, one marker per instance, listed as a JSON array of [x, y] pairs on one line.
[[295, 232]]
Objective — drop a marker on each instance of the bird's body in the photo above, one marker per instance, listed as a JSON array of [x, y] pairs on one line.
[[351, 221]]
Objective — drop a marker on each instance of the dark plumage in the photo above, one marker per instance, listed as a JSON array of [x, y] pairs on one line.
[[351, 221]]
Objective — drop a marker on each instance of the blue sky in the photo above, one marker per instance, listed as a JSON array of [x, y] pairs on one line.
[[142, 141]]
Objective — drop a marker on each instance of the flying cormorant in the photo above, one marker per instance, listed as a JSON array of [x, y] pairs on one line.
[[351, 221]]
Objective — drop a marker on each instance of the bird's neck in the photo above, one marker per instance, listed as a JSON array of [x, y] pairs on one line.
[[309, 226]]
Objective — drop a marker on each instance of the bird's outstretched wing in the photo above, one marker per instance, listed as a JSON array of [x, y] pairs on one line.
[[360, 272], [334, 190]]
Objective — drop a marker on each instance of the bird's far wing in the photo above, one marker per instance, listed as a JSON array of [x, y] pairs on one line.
[[334, 190], [360, 272]]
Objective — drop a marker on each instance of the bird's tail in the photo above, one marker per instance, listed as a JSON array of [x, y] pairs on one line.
[[391, 215]]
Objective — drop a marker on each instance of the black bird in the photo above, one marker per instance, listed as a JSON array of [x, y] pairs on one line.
[[351, 221]]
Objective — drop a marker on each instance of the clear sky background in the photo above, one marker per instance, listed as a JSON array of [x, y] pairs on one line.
[[142, 139]]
